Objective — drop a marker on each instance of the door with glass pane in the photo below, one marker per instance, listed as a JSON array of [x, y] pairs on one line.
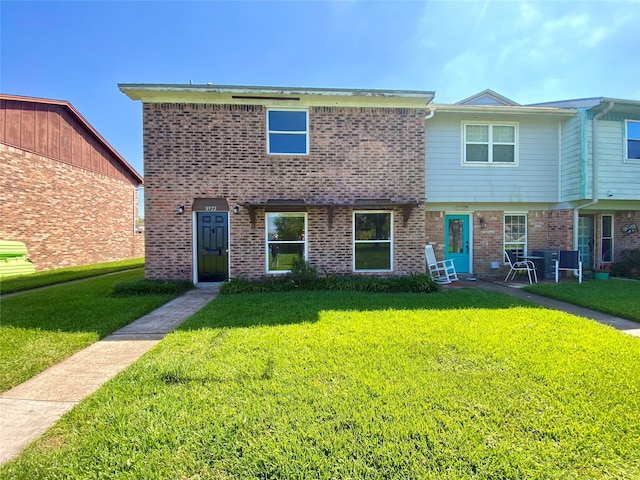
[[585, 240], [457, 248]]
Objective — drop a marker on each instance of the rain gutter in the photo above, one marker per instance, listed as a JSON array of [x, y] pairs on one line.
[[594, 172]]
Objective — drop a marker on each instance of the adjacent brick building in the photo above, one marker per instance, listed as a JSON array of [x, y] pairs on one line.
[[64, 191], [244, 181]]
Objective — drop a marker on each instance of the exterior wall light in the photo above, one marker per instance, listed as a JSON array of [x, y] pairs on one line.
[[236, 209], [180, 209], [483, 223]]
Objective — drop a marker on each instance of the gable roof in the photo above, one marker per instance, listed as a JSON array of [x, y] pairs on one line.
[[85, 124], [488, 97]]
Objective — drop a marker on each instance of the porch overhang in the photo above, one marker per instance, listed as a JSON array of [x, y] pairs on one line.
[[300, 205], [210, 205]]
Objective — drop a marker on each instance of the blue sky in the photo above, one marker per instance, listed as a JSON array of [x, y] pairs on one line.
[[527, 51]]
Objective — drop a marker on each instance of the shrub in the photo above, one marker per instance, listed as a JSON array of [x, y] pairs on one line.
[[306, 278], [151, 287], [628, 265]]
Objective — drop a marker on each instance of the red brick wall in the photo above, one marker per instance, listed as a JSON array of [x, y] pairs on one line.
[[545, 229], [621, 241], [66, 215], [199, 150]]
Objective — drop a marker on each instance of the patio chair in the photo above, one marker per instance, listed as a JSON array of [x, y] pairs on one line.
[[569, 260], [443, 271], [519, 266]]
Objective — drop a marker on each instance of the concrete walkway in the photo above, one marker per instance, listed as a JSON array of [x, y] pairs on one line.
[[29, 409]]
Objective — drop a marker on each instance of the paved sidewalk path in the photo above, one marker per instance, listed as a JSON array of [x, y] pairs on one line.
[[29, 409], [515, 290]]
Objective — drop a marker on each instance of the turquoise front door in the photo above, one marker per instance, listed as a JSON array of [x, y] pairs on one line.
[[456, 238]]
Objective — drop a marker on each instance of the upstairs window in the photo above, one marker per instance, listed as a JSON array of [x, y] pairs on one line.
[[633, 140], [485, 144], [287, 132]]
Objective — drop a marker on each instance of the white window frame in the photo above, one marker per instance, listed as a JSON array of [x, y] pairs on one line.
[[504, 232], [389, 240], [603, 238], [305, 133], [268, 241], [490, 143], [626, 141]]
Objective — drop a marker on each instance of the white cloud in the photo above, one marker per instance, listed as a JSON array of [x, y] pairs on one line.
[[529, 51]]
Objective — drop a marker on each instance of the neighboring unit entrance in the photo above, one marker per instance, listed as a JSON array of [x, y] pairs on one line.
[[585, 240], [213, 247], [456, 238]]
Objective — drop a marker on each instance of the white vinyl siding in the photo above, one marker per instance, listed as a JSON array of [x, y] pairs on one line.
[[617, 176], [573, 172], [534, 179]]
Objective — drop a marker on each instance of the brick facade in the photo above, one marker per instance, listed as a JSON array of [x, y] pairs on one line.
[[546, 229], [219, 151], [67, 215]]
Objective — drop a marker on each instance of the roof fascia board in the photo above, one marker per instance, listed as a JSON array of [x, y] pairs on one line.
[[502, 110], [275, 95], [588, 103]]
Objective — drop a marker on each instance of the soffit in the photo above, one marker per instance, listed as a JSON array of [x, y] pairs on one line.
[[270, 96], [503, 110]]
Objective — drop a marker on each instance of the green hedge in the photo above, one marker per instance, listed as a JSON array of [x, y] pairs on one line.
[[416, 283], [151, 287]]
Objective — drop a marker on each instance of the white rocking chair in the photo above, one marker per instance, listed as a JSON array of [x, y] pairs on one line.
[[442, 272]]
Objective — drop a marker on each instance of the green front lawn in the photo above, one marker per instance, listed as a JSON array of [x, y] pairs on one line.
[[462, 384], [40, 328], [619, 297], [60, 275]]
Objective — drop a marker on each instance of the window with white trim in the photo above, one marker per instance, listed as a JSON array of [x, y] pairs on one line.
[[287, 132], [515, 233], [490, 143], [286, 240], [372, 241], [606, 239], [633, 139]]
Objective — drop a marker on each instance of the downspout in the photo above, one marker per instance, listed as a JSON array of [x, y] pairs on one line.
[[594, 173], [432, 112]]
